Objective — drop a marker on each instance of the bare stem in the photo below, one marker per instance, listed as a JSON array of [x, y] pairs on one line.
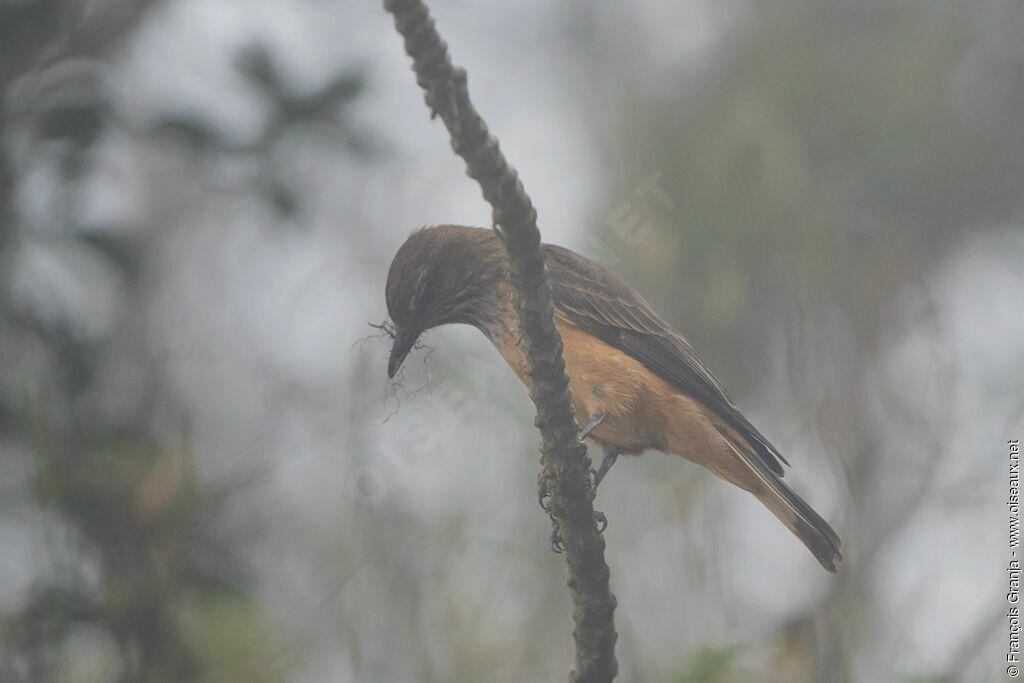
[[564, 462]]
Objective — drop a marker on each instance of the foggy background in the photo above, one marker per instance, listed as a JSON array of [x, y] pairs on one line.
[[206, 476]]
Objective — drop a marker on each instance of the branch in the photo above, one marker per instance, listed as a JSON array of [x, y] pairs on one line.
[[564, 463]]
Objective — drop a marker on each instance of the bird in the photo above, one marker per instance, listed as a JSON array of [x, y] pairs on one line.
[[635, 382]]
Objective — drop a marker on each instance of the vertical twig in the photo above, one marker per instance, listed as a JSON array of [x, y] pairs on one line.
[[564, 463]]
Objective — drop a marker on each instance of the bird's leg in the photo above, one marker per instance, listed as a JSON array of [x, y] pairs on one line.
[[595, 420], [610, 456]]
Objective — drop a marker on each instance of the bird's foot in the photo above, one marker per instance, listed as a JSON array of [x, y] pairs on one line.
[[557, 546], [543, 494], [556, 537]]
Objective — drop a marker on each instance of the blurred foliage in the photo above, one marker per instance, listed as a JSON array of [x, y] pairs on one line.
[[710, 665], [826, 151], [141, 588], [152, 574]]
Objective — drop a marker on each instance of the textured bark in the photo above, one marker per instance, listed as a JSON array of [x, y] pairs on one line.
[[564, 479]]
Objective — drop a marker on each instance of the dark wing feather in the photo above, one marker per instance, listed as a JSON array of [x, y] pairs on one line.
[[601, 304]]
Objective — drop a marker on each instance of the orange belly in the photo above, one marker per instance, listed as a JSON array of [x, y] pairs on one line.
[[641, 410], [606, 381]]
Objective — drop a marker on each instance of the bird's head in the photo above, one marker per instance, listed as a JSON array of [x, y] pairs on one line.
[[443, 274]]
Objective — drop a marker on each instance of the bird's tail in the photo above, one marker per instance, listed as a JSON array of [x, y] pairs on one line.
[[813, 531]]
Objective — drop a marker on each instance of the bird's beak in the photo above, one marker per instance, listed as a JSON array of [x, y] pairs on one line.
[[399, 350]]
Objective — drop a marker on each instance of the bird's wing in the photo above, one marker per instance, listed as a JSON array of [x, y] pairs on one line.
[[599, 303]]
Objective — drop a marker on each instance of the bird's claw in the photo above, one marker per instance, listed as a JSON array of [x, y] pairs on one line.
[[557, 546], [543, 493]]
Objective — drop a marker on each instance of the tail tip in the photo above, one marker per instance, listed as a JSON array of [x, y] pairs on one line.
[[831, 563], [823, 544]]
